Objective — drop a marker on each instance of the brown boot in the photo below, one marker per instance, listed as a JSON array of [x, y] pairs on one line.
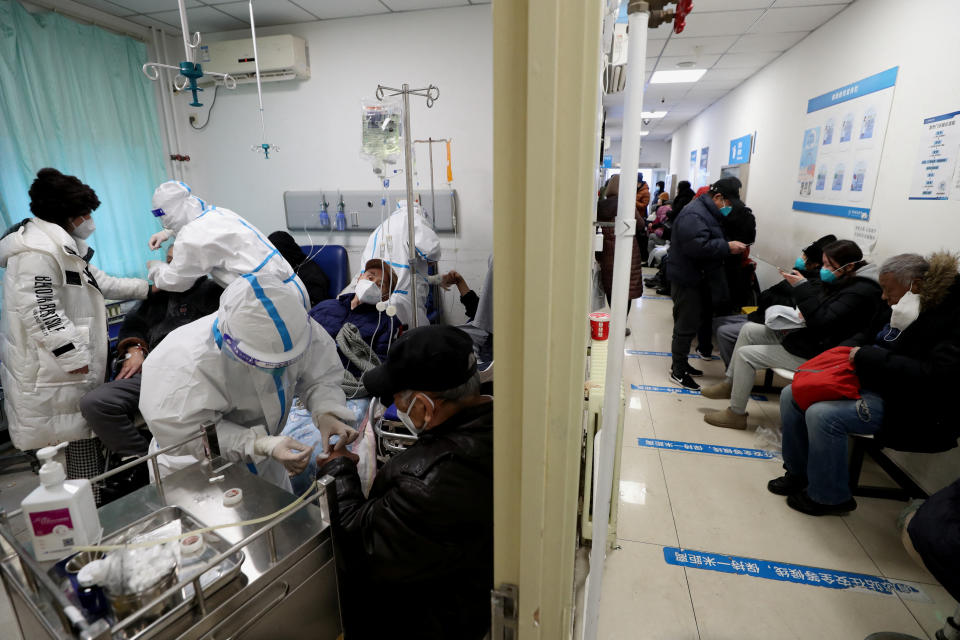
[[719, 391], [726, 419]]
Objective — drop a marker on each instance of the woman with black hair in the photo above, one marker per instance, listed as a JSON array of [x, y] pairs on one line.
[[53, 326], [833, 312]]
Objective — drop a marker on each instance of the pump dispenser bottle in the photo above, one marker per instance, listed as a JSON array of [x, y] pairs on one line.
[[60, 513]]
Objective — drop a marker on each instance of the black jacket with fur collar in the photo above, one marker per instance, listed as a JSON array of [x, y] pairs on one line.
[[917, 373]]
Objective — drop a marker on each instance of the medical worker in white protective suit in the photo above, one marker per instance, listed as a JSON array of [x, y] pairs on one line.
[[389, 242], [211, 241], [241, 368]]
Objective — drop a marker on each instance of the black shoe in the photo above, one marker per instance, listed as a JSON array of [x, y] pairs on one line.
[[787, 485], [663, 292], [694, 372], [802, 503], [707, 356], [652, 282], [685, 381]]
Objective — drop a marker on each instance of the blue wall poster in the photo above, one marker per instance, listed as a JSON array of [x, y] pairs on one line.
[[693, 166], [842, 143], [740, 150], [704, 176]]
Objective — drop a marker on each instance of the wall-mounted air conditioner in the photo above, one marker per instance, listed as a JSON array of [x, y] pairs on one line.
[[281, 58]]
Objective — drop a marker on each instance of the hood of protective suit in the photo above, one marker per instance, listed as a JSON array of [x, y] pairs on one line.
[[175, 206], [262, 322]]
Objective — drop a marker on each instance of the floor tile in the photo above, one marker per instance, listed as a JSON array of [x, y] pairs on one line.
[[721, 504], [874, 523], [737, 607], [932, 616], [680, 417], [645, 514], [644, 597], [637, 422]]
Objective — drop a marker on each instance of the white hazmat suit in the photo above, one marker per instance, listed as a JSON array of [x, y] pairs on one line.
[[389, 242], [212, 241], [241, 368]]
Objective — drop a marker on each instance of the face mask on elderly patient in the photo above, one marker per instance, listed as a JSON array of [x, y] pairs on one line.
[[903, 314], [368, 292], [408, 421]]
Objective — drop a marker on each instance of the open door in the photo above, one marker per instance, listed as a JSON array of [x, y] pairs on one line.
[[546, 75]]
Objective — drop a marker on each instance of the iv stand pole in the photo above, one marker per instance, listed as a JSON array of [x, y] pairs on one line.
[[431, 93]]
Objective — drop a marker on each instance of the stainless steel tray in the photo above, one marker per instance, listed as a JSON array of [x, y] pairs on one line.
[[211, 581]]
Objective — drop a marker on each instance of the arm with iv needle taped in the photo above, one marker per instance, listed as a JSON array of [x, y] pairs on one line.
[[318, 387]]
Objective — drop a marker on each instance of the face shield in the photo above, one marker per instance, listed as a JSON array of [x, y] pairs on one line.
[[174, 205], [262, 323]]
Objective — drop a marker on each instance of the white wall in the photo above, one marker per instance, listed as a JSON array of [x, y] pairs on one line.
[[316, 123], [866, 38]]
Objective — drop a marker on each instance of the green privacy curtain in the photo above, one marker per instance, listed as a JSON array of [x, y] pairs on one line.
[[73, 97]]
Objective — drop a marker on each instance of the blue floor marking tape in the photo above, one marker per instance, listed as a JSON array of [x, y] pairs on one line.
[[800, 574], [685, 392], [666, 354], [656, 297], [700, 447]]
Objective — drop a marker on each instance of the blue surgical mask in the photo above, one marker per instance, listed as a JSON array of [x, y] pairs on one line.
[[800, 264], [725, 211], [826, 275]]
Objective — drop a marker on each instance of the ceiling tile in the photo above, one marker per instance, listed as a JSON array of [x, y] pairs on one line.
[[687, 46], [168, 27], [667, 63], [326, 9], [747, 60], [795, 18], [806, 3], [704, 6], [763, 43], [152, 6], [106, 6], [719, 23], [202, 19], [414, 5], [269, 13], [726, 75]]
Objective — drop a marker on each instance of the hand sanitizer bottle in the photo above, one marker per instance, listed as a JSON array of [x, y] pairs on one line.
[[60, 513]]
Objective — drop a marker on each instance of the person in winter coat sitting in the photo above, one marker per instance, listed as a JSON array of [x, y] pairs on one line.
[[111, 408], [53, 337], [849, 296], [907, 361], [423, 537], [363, 332]]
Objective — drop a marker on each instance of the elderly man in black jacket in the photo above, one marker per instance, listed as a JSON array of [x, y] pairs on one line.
[[697, 250], [110, 409], [423, 539], [907, 361]]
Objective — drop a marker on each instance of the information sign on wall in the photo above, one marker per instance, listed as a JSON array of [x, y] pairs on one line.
[[842, 145], [740, 150], [936, 176]]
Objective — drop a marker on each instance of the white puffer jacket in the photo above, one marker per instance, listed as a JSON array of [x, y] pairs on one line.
[[53, 321]]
